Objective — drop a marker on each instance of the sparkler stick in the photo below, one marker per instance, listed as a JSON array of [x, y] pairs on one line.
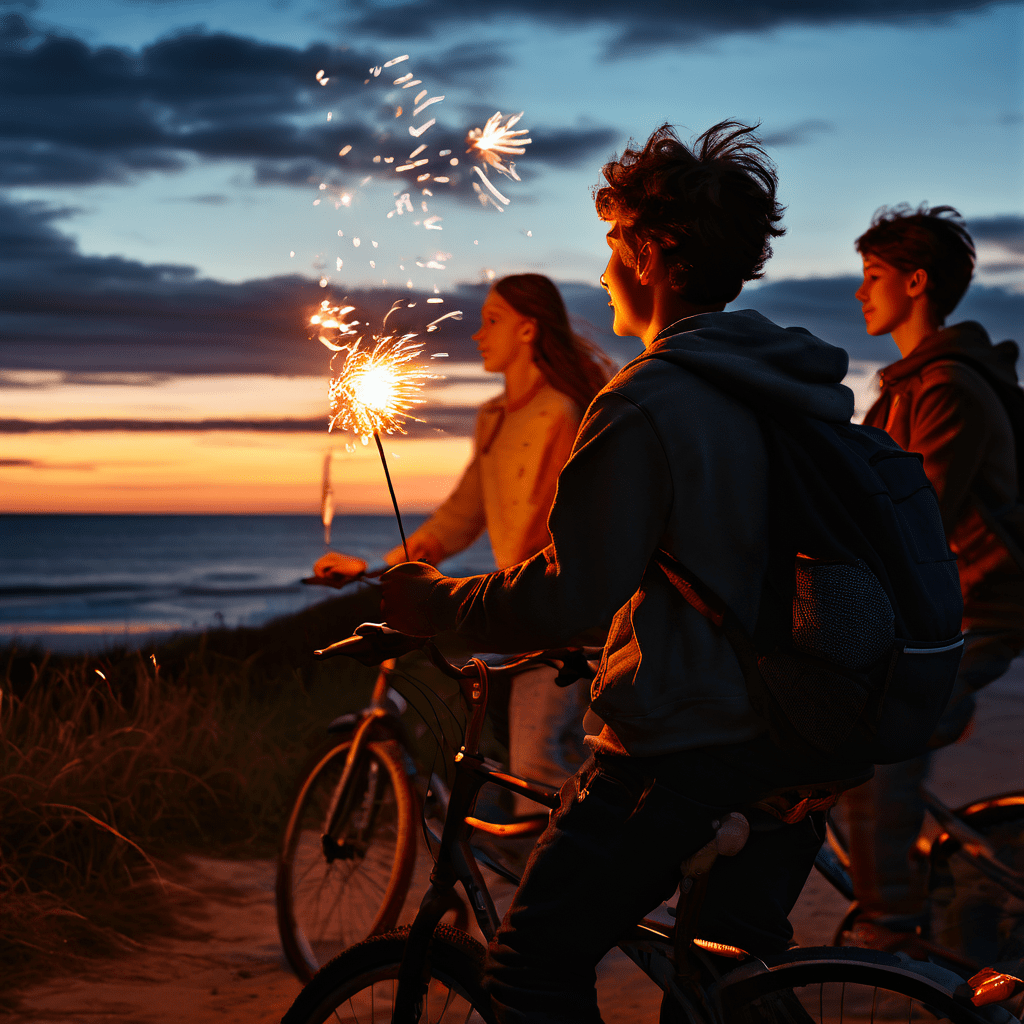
[[394, 500], [327, 499]]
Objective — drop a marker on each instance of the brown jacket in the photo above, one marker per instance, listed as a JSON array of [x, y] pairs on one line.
[[936, 405]]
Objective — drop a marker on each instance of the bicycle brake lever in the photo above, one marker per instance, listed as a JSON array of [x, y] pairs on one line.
[[372, 643]]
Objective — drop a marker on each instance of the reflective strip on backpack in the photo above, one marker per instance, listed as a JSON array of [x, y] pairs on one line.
[[934, 650]]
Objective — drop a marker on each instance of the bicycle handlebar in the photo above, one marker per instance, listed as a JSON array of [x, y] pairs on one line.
[[373, 642]]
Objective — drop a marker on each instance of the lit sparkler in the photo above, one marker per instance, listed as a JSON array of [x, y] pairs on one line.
[[496, 140], [375, 390]]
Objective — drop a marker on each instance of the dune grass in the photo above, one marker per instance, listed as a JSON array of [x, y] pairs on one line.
[[114, 768]]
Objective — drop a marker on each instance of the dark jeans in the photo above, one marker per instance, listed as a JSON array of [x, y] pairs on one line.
[[611, 855], [885, 815]]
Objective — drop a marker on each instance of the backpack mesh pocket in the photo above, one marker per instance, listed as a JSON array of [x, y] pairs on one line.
[[841, 613]]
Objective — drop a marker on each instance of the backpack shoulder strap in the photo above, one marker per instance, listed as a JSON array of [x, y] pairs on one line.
[[696, 593]]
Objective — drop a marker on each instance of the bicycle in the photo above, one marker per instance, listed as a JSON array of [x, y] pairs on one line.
[[427, 966], [349, 848], [976, 883]]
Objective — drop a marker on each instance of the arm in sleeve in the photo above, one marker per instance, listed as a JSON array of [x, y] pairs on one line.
[[610, 512], [460, 519], [950, 429]]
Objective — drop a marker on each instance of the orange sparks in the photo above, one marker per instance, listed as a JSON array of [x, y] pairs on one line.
[[495, 140]]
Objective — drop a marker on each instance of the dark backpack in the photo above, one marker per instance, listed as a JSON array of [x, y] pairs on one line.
[[1006, 523], [857, 641]]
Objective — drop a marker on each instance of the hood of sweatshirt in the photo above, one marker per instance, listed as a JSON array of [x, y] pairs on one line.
[[772, 368], [968, 339]]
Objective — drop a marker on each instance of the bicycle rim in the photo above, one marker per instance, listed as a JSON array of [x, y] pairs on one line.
[[840, 986], [970, 913], [328, 900], [359, 986]]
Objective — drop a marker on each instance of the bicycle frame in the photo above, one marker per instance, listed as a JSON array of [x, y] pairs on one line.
[[664, 953], [669, 955]]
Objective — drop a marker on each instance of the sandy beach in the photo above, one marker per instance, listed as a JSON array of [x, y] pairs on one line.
[[231, 969]]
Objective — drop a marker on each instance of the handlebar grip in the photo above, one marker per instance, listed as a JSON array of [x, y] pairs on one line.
[[372, 643]]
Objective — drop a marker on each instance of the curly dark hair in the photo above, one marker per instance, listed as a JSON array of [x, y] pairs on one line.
[[711, 207], [931, 239]]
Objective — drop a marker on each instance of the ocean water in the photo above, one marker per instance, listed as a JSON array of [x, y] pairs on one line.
[[87, 582]]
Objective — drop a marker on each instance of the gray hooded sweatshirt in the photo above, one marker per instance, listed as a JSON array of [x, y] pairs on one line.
[[668, 457]]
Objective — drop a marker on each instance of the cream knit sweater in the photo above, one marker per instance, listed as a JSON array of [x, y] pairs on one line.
[[508, 488]]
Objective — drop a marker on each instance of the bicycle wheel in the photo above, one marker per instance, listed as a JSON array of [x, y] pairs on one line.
[[825, 985], [359, 985], [972, 914], [335, 889]]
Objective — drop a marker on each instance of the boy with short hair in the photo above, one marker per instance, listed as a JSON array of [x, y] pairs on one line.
[[939, 400], [669, 458]]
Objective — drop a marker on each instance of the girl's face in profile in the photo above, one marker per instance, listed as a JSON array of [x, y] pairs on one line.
[[505, 335]]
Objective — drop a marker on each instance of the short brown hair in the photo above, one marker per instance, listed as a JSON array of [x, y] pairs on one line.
[[934, 240], [710, 207]]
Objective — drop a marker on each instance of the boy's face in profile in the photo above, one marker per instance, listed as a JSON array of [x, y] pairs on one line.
[[630, 300], [885, 296]]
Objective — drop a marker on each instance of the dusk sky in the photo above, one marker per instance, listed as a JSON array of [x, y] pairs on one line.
[[173, 206]]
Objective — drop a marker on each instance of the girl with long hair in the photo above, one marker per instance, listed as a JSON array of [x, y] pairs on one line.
[[522, 439]]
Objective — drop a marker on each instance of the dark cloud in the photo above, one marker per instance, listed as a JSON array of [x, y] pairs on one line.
[[456, 421], [64, 311], [827, 308], [209, 199], [638, 27], [71, 114], [797, 134], [75, 314], [37, 464], [1005, 230]]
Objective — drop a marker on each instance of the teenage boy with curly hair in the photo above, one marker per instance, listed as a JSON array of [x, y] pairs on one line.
[[669, 457], [940, 400]]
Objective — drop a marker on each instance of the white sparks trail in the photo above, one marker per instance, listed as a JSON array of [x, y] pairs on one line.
[[455, 314], [423, 106], [404, 78], [417, 132], [496, 139], [416, 152], [396, 60], [488, 185]]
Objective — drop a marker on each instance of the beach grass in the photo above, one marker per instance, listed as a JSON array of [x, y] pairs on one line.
[[114, 768]]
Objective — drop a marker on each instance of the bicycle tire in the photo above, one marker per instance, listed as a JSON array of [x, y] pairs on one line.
[[825, 985], [971, 914], [359, 984], [326, 905]]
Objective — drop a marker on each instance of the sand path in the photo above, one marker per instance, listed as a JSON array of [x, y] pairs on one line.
[[232, 970]]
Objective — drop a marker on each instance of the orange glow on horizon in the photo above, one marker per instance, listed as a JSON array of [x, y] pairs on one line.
[[220, 472]]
